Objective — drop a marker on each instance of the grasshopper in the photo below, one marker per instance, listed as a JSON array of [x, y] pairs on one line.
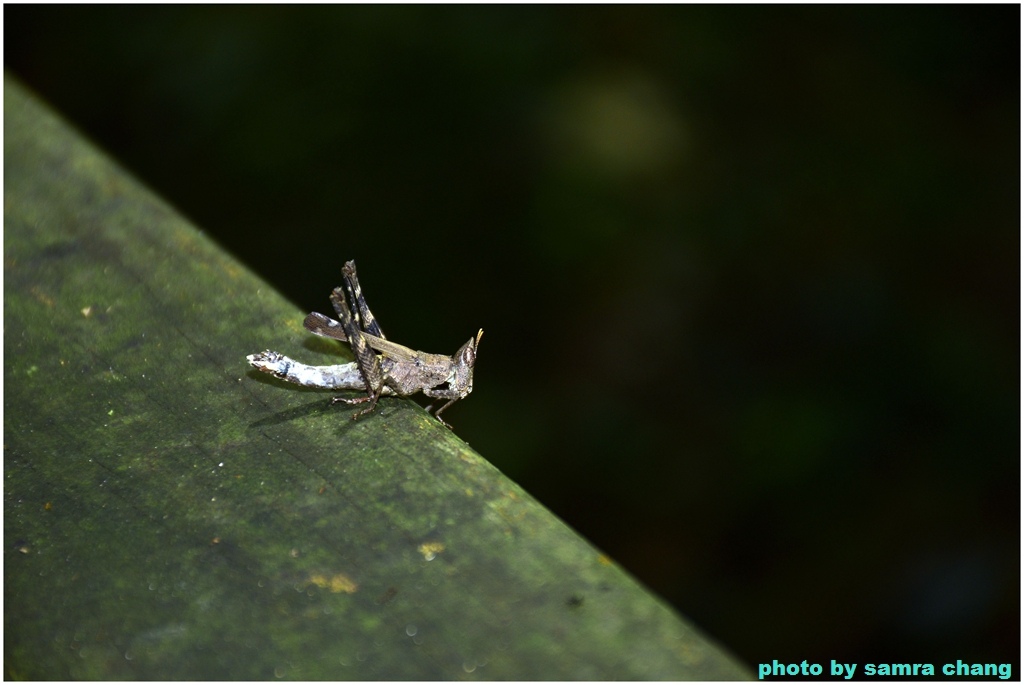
[[381, 366]]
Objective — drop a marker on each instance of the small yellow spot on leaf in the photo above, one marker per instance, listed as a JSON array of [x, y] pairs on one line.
[[429, 550], [42, 297], [336, 583]]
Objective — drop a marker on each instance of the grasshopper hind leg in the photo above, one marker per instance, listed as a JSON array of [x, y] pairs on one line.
[[366, 358], [360, 310]]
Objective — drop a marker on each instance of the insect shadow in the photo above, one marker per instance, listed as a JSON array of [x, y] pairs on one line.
[[322, 406]]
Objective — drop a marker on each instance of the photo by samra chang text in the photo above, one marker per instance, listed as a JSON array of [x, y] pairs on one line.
[[837, 669]]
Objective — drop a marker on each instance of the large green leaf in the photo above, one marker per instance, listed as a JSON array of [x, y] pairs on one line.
[[171, 514]]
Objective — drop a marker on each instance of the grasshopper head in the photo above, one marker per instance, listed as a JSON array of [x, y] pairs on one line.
[[465, 359]]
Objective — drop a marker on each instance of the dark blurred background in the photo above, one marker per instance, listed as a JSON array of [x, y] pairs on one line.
[[749, 275]]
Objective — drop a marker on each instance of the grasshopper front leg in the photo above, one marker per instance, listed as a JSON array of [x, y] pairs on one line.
[[437, 414]]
